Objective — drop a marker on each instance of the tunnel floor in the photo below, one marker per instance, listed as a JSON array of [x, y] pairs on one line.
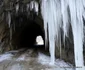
[[30, 59]]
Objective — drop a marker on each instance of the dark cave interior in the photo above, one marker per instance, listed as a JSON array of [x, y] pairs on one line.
[[27, 29], [29, 34]]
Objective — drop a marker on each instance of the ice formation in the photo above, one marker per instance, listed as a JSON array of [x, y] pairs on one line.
[[33, 6], [59, 14]]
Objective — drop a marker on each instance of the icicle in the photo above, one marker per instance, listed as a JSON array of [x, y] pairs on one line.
[[9, 23], [76, 10], [31, 5], [49, 18], [57, 22], [9, 19], [44, 14], [84, 9], [36, 7], [65, 17], [56, 11], [17, 7]]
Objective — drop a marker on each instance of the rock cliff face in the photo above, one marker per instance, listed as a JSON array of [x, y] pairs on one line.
[[21, 22]]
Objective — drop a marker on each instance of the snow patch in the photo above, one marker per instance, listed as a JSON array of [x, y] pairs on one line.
[[45, 60], [5, 57]]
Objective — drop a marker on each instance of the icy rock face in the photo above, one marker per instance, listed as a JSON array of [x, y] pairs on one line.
[[33, 5], [59, 14]]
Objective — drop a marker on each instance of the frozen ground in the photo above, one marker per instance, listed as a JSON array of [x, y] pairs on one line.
[[30, 60]]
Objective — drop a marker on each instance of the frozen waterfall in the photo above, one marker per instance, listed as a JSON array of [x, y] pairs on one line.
[[59, 14]]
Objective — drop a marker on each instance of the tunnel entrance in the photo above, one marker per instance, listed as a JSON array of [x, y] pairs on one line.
[[29, 34], [39, 40], [27, 30]]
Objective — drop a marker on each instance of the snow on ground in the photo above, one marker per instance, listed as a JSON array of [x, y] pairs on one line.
[[21, 58], [41, 58], [5, 57], [45, 60]]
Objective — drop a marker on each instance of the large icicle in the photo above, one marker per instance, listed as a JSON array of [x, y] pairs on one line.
[[44, 14], [51, 29], [52, 17], [65, 17], [52, 10], [49, 18], [76, 11]]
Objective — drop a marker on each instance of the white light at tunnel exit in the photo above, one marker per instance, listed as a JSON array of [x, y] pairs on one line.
[[39, 40]]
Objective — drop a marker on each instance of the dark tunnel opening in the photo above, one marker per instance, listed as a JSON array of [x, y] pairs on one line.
[[27, 30], [29, 34]]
